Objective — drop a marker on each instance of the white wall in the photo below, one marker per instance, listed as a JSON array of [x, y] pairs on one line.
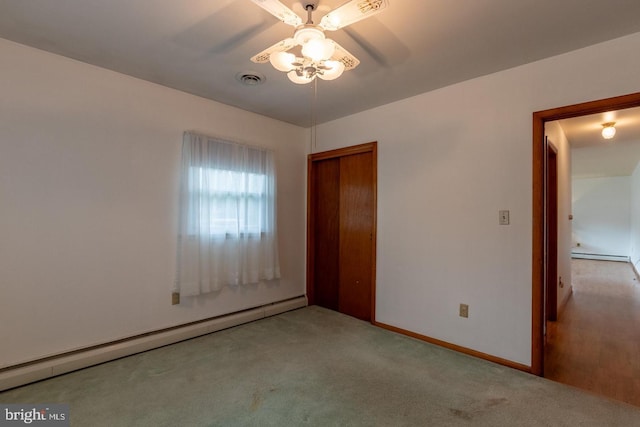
[[602, 215], [557, 137], [634, 250], [88, 199], [88, 187], [449, 160]]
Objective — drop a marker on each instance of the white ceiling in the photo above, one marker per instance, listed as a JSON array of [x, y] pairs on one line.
[[414, 46], [593, 156]]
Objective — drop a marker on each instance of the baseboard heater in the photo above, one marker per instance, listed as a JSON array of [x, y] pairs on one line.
[[26, 373], [600, 257]]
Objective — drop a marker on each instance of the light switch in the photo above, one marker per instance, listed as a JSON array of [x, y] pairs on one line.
[[504, 217], [464, 310]]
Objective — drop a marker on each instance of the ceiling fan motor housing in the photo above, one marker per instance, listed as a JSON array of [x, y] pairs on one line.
[[307, 32]]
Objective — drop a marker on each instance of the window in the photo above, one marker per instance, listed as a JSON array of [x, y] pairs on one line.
[[237, 201], [227, 230]]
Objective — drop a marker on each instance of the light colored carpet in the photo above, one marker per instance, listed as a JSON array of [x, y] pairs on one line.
[[315, 367]]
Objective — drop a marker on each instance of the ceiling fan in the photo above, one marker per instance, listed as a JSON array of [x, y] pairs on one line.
[[320, 56]]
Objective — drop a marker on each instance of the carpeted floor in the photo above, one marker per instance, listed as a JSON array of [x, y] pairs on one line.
[[315, 367]]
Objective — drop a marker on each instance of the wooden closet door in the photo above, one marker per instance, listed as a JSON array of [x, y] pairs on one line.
[[341, 230], [326, 229], [356, 235]]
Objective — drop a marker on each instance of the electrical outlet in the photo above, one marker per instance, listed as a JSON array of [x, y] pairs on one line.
[[175, 298], [464, 310]]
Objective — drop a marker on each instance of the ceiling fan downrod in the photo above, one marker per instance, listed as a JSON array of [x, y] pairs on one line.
[[309, 8]]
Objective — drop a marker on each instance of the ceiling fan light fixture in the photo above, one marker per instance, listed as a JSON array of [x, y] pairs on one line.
[[301, 78], [282, 61], [318, 49], [608, 130], [334, 70], [321, 57]]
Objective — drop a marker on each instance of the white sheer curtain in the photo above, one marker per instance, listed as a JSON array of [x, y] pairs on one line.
[[227, 230]]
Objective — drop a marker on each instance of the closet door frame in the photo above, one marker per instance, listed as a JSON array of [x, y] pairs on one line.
[[371, 147]]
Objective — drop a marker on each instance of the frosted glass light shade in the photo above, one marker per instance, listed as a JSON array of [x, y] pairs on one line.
[[335, 71], [318, 49], [294, 77], [282, 61]]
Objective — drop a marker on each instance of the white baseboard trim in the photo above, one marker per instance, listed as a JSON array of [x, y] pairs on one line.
[[62, 364]]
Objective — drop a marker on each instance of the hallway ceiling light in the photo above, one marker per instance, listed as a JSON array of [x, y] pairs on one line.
[[608, 130]]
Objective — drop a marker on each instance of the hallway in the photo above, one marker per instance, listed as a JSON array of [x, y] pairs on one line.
[[595, 344]]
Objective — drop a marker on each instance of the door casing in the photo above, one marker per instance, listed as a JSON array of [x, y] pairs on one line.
[[538, 217], [311, 256]]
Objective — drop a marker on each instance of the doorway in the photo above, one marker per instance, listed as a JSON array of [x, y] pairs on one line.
[[539, 217], [341, 230]]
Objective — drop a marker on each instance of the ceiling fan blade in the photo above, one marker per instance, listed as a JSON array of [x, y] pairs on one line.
[[281, 46], [280, 11], [353, 11], [341, 54]]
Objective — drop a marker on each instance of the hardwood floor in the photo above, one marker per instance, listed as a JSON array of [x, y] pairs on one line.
[[595, 344]]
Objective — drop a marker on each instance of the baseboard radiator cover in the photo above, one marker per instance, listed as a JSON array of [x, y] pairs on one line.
[[600, 257], [12, 377]]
